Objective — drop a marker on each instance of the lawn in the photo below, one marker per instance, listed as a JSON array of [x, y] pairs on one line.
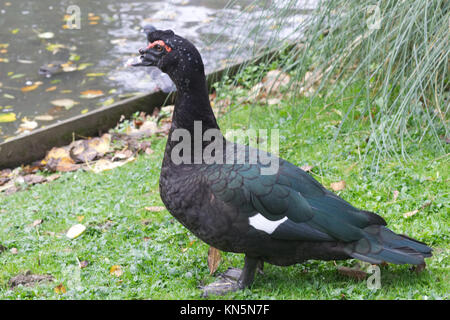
[[135, 250]]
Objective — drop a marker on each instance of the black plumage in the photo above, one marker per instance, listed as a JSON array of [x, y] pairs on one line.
[[282, 218]]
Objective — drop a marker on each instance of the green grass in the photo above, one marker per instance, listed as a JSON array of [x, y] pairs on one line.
[[151, 246]]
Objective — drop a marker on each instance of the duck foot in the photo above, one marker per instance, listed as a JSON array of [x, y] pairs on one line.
[[226, 282], [233, 279]]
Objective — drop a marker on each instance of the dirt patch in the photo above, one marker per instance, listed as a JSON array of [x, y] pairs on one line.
[[29, 280]]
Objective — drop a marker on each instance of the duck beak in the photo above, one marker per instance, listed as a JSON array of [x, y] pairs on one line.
[[147, 59], [145, 62]]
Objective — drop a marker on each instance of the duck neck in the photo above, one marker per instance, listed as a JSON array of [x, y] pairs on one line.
[[192, 110], [192, 104]]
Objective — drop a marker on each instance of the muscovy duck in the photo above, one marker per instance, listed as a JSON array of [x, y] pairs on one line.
[[282, 218]]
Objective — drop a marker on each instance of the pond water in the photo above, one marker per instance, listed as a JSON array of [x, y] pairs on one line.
[[84, 69]]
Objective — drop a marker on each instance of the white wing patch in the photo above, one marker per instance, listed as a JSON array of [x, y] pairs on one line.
[[258, 221]]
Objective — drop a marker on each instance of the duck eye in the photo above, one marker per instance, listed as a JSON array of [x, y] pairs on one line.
[[158, 48]]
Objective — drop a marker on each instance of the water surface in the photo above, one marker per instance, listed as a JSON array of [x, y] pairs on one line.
[[35, 34]]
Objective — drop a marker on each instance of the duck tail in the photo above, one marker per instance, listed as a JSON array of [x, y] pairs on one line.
[[380, 244]]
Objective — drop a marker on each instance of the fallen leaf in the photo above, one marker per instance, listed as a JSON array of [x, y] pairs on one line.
[[68, 67], [8, 96], [66, 103], [81, 152], [121, 155], [108, 102], [214, 258], [83, 264], [25, 61], [410, 213], [7, 117], [155, 208], [102, 144], [53, 88], [99, 74], [27, 125], [46, 35], [66, 165], [60, 289], [37, 222], [14, 251], [58, 153], [306, 168], [53, 177], [116, 270], [34, 179], [275, 80], [83, 66], [90, 94], [75, 231], [18, 75], [338, 186], [44, 117], [104, 164]]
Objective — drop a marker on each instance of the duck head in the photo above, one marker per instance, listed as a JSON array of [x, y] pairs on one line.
[[173, 55]]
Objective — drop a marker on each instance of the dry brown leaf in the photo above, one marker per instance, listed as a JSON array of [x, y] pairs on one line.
[[66, 165], [338, 186], [352, 273], [275, 80], [34, 179], [82, 153], [306, 168], [58, 153], [116, 270], [60, 289], [37, 222], [44, 117], [102, 144], [410, 213], [214, 258], [65, 103], [83, 264], [105, 164], [155, 209], [53, 177], [27, 125], [30, 88], [90, 94], [53, 88]]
